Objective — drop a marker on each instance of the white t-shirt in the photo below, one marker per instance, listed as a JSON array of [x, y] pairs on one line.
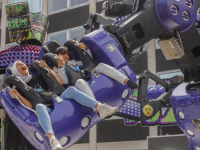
[[61, 72]]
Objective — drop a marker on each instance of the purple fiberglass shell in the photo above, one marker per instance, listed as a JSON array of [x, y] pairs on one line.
[[176, 15], [103, 44], [186, 107], [68, 115]]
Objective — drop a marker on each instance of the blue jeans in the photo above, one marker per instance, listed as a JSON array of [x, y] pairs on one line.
[[79, 97], [70, 93], [44, 118]]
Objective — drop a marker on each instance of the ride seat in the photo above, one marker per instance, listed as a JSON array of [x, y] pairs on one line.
[[50, 46], [26, 111], [29, 93]]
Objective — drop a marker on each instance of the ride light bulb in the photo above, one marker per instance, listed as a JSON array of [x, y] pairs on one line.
[[63, 140], [125, 94], [39, 137], [190, 133], [189, 3], [186, 15], [85, 122], [174, 10], [181, 115], [197, 148]]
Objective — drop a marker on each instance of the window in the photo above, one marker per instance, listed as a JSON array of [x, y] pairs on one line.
[[157, 46], [77, 2], [145, 47], [60, 5], [35, 6], [55, 5], [169, 74], [63, 36], [73, 34]]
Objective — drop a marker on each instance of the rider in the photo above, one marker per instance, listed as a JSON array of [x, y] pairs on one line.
[[105, 69], [38, 84]]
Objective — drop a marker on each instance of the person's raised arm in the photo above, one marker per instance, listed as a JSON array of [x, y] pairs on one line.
[[43, 64], [14, 93], [82, 46]]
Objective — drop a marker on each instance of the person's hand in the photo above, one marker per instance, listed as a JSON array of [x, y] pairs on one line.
[[60, 61], [14, 93], [82, 46], [43, 63]]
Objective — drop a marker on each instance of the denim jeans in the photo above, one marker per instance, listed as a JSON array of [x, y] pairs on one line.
[[44, 118], [110, 72], [70, 93], [83, 86], [79, 97]]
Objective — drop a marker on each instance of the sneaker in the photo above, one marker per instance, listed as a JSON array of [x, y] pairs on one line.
[[107, 110], [55, 145]]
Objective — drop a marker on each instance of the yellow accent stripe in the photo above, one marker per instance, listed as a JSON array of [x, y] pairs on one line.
[[23, 38]]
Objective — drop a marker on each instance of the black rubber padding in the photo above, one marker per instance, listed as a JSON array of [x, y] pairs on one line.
[[84, 57], [50, 47], [52, 58]]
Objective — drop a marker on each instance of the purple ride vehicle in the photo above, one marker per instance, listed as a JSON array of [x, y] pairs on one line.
[[173, 22]]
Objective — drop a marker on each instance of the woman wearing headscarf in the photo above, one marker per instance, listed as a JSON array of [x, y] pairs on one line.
[[43, 110]]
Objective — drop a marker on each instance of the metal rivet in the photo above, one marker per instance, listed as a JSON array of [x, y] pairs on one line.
[[174, 10]]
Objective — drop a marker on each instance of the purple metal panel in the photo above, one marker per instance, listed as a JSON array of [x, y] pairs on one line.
[[96, 39], [129, 72], [176, 15], [186, 115], [67, 116], [154, 91], [26, 128], [130, 108], [182, 98], [113, 58]]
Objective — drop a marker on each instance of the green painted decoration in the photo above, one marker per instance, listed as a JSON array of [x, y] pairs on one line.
[[23, 25]]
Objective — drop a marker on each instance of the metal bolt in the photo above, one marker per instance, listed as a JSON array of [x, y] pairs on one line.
[[189, 3], [186, 15], [174, 10]]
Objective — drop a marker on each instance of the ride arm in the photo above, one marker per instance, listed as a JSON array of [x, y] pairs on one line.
[[149, 22], [112, 8], [94, 21], [155, 104]]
